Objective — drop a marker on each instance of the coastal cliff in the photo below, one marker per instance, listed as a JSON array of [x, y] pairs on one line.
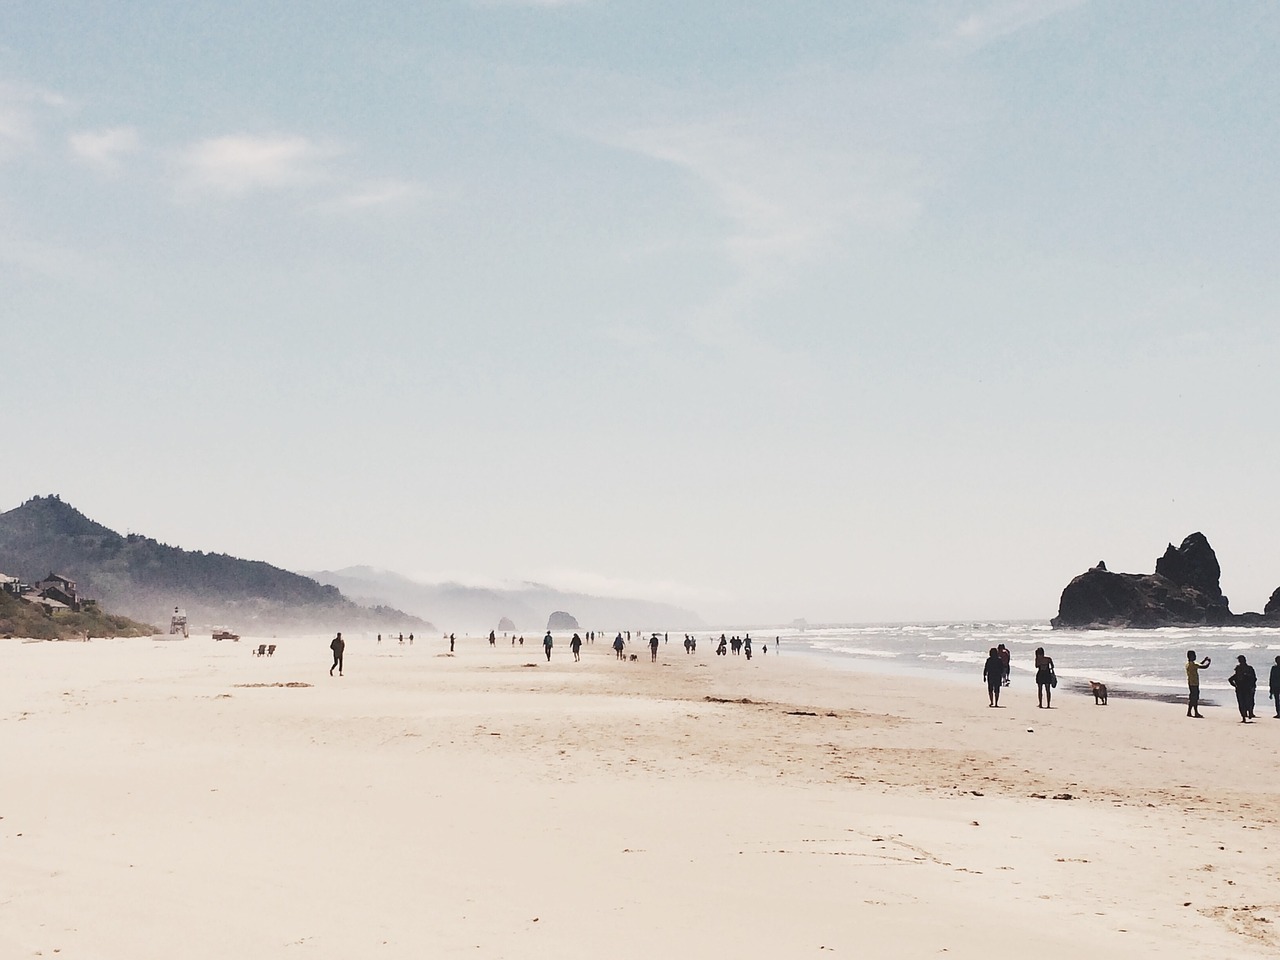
[[1183, 591]]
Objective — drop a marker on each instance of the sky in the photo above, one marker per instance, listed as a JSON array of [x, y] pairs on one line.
[[846, 311]]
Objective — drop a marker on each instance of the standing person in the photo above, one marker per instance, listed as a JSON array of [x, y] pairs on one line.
[[1275, 686], [1246, 683], [379, 638], [546, 645], [493, 638], [1004, 658], [653, 649], [1046, 680], [576, 646], [617, 646], [1193, 684], [411, 639], [337, 645], [451, 643], [993, 673]]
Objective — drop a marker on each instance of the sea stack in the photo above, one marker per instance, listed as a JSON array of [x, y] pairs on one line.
[[1184, 590]]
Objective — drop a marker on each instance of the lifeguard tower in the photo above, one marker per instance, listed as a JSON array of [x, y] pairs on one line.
[[178, 622]]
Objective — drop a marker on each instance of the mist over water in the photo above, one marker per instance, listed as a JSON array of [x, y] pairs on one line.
[[1141, 660]]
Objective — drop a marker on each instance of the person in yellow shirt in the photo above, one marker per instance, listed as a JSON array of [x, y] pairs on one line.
[[1193, 683]]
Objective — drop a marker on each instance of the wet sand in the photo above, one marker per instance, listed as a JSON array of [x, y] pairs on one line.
[[189, 799]]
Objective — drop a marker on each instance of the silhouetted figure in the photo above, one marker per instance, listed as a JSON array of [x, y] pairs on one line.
[[1004, 658], [1193, 684], [575, 645], [1246, 683], [653, 649], [993, 673], [411, 639], [402, 639], [493, 638], [546, 644], [379, 638], [451, 643], [337, 645], [746, 646], [617, 647], [1274, 686], [721, 650], [1045, 678]]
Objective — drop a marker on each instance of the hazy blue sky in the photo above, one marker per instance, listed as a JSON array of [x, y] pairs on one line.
[[841, 310]]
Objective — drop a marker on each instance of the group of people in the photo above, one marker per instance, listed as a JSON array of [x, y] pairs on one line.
[[996, 672], [736, 645], [1244, 679]]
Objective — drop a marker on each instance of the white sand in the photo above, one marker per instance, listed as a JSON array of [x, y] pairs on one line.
[[428, 806]]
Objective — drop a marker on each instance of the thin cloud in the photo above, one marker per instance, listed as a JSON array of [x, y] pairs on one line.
[[104, 148], [22, 107], [537, 4], [377, 194], [240, 164], [1004, 19]]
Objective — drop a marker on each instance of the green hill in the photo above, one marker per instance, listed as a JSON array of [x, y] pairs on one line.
[[144, 579]]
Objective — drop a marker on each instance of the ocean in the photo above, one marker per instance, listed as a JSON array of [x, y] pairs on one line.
[[1139, 662]]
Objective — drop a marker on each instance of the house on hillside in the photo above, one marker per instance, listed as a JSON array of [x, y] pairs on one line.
[[61, 590], [10, 585], [49, 606]]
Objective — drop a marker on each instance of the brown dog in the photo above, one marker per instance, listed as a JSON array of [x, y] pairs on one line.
[[1099, 692]]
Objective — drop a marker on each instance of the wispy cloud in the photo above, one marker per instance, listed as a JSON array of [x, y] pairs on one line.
[[240, 164], [22, 107], [104, 148], [376, 194], [1003, 19], [544, 4]]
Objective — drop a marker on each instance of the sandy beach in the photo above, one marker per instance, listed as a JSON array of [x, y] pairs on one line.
[[176, 799]]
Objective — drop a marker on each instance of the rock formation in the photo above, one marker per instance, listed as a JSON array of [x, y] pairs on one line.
[[562, 621], [1183, 591], [506, 625]]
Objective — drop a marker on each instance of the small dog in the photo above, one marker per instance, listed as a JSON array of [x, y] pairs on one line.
[[1099, 692], [635, 656]]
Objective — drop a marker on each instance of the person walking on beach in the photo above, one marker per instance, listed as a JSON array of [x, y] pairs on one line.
[[1246, 683], [993, 673], [576, 646], [653, 649], [451, 643], [337, 645], [546, 645], [1274, 686], [1004, 658], [617, 646], [1046, 680], [1193, 684], [746, 646]]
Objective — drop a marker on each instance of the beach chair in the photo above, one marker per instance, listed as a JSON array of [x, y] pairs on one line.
[[261, 651], [271, 649]]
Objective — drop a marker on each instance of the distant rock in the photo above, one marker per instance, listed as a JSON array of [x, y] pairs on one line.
[[562, 621], [1183, 591], [506, 626]]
